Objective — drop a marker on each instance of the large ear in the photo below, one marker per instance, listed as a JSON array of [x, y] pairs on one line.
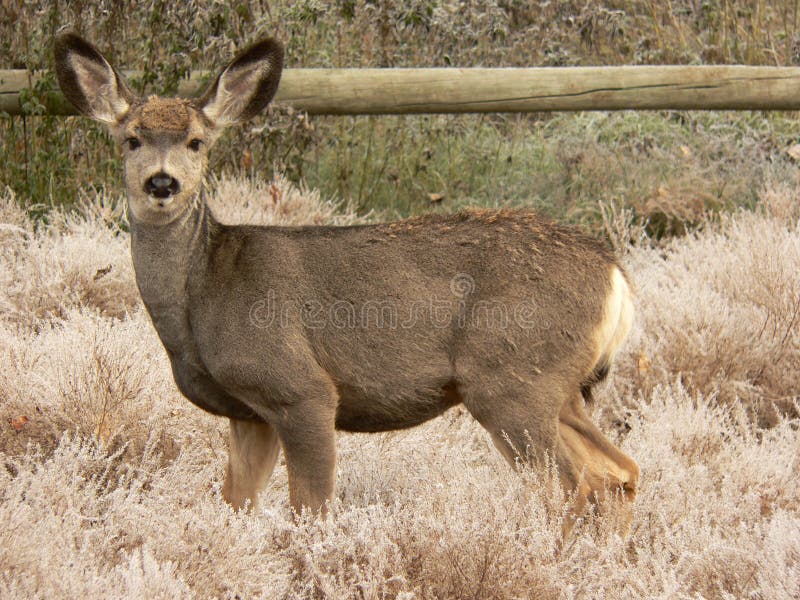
[[245, 86], [89, 81]]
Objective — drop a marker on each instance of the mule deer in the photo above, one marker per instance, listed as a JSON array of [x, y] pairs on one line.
[[294, 332]]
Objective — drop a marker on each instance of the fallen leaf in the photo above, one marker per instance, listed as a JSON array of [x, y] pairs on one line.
[[102, 272], [434, 198], [794, 152], [247, 159], [643, 364], [19, 422], [686, 150]]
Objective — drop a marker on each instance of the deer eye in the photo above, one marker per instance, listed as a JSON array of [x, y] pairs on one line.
[[133, 143], [195, 144]]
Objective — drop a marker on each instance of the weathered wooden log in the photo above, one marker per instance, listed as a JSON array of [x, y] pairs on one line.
[[408, 91]]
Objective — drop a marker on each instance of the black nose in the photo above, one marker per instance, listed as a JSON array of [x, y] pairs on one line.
[[161, 185]]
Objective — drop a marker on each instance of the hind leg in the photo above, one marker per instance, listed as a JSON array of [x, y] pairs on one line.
[[522, 419], [516, 444], [569, 476], [533, 420], [606, 469], [253, 453]]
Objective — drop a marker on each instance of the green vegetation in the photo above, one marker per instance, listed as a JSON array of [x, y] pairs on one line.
[[668, 167]]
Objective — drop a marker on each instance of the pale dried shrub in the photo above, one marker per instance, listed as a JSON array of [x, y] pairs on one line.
[[13, 219], [781, 200], [112, 488], [721, 310], [102, 379], [621, 227], [276, 202], [447, 519], [70, 261]]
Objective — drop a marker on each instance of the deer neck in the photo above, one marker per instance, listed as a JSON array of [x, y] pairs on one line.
[[163, 257]]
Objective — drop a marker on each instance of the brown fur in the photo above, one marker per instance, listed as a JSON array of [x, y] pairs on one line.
[[293, 332], [165, 114]]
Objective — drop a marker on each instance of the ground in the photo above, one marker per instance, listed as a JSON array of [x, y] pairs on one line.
[[111, 480]]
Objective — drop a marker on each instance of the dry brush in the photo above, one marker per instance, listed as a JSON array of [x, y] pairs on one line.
[[105, 487]]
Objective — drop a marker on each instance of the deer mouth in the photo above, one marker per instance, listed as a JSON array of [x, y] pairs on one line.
[[161, 193]]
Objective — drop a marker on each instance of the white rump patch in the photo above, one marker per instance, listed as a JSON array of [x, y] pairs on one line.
[[617, 319]]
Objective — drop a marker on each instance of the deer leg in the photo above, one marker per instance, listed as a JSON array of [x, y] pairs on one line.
[[253, 453], [524, 424], [569, 476], [521, 416], [588, 448], [604, 467], [310, 464], [541, 417], [308, 438]]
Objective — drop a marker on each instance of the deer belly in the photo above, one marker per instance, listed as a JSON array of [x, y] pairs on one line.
[[362, 410]]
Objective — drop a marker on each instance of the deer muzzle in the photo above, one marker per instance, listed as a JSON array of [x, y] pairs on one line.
[[161, 185]]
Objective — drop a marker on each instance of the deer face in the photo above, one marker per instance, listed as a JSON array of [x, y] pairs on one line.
[[165, 152], [165, 141]]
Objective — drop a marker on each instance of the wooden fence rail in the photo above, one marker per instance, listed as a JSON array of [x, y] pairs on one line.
[[408, 91]]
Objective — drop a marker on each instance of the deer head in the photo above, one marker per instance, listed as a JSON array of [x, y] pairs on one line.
[[165, 141]]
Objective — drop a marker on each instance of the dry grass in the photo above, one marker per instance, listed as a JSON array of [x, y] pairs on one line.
[[732, 298], [111, 488]]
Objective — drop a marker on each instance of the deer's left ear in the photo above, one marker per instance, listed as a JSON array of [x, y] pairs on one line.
[[245, 86]]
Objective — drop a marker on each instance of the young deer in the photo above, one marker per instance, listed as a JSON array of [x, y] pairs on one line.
[[294, 332]]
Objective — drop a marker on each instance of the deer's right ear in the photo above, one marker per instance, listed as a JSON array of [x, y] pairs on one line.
[[89, 81]]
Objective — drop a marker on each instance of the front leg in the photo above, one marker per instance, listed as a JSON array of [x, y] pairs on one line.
[[299, 400], [253, 453], [310, 452], [308, 437]]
